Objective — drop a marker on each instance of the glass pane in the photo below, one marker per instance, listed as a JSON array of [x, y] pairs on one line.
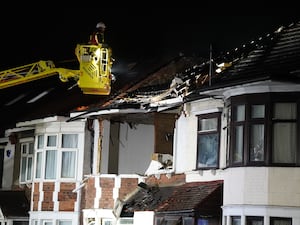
[[210, 124], [188, 221], [202, 222], [47, 223], [253, 220], [285, 111], [40, 141], [69, 140], [29, 168], [24, 149], [23, 169], [31, 147], [284, 142], [65, 222], [239, 144], [50, 168], [208, 147], [38, 171], [68, 164], [257, 111], [280, 221], [235, 220], [257, 142], [240, 113], [51, 141]]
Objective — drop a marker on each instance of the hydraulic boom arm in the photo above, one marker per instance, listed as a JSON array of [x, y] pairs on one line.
[[93, 77]]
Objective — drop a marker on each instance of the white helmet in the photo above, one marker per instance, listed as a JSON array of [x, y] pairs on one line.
[[100, 25]]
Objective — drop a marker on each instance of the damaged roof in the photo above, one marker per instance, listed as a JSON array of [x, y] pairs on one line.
[[274, 56], [14, 204], [205, 197], [158, 85]]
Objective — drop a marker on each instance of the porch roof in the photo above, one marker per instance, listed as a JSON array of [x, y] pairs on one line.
[[201, 197]]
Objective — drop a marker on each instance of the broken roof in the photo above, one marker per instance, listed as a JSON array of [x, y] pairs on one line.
[[157, 86], [274, 56], [205, 197]]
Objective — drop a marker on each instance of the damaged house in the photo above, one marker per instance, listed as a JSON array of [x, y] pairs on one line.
[[194, 142]]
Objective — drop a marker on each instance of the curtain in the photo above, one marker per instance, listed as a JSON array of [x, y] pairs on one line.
[[50, 167], [68, 164]]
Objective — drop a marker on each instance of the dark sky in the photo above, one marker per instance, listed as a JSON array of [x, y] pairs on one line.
[[29, 36]]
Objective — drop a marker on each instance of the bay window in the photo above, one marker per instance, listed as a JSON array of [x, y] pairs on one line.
[[57, 156], [264, 129]]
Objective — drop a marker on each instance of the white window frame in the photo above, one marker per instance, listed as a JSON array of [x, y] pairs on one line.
[[26, 142], [59, 156]]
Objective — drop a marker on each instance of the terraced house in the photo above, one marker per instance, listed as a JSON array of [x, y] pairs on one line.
[[195, 142]]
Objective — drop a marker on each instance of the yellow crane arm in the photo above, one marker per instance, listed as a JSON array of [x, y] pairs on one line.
[[26, 73], [93, 77]]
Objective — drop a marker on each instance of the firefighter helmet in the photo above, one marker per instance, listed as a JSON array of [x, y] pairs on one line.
[[100, 25]]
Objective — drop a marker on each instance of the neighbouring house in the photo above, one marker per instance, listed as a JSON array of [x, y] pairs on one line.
[[194, 142]]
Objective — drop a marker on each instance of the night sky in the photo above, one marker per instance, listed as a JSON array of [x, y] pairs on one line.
[[134, 35]]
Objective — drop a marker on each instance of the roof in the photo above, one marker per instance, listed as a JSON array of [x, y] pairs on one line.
[[203, 197], [273, 56], [14, 204], [159, 84]]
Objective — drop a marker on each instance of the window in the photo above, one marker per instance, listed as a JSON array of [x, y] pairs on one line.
[[47, 222], [27, 149], [64, 222], [107, 222], [235, 220], [280, 221], [208, 140], [264, 130], [284, 132], [203, 222], [254, 220], [126, 220], [57, 155]]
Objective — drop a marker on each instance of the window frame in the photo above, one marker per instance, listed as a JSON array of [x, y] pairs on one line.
[[59, 150], [269, 100], [27, 143], [250, 219], [272, 219], [216, 115]]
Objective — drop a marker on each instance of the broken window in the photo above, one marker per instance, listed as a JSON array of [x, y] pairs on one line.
[[208, 140]]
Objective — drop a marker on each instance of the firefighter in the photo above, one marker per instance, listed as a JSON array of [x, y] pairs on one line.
[[97, 37]]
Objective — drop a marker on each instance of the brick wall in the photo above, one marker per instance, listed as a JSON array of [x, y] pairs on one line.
[[128, 185], [165, 179], [66, 197], [107, 185], [36, 196], [47, 203]]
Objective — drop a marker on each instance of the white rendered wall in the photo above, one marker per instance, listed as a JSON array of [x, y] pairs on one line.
[[135, 148], [185, 138], [8, 166], [277, 186], [105, 146], [258, 210], [186, 134], [143, 218]]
